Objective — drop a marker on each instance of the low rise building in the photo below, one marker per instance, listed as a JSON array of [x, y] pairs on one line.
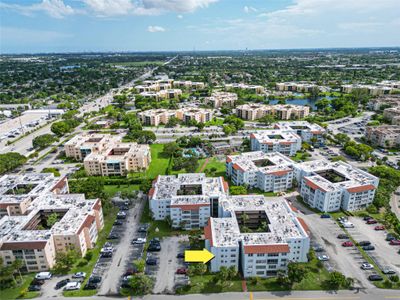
[[187, 84], [154, 86], [285, 142], [162, 94], [107, 155], [384, 101], [188, 200], [382, 88], [29, 236], [310, 133], [270, 172], [253, 112], [392, 114], [257, 89], [155, 117], [331, 186], [260, 244], [219, 99], [385, 136], [301, 87]]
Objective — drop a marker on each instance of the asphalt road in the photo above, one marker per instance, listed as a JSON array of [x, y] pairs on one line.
[[375, 294]]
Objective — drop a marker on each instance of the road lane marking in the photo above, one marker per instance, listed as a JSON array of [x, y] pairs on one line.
[[311, 298], [251, 296]]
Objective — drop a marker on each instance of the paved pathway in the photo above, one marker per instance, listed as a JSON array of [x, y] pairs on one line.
[[394, 204], [204, 165]]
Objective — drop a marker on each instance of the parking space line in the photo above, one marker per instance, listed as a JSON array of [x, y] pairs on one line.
[[312, 298], [251, 296]]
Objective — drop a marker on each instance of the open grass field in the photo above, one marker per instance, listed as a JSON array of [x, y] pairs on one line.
[[138, 63]]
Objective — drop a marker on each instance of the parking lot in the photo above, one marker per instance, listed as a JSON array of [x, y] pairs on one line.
[[384, 255], [324, 232], [164, 272]]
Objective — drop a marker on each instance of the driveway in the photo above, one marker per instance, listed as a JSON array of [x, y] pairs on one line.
[[122, 254], [165, 277], [48, 288]]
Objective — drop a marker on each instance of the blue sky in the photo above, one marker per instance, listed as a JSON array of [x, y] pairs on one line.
[[159, 25]]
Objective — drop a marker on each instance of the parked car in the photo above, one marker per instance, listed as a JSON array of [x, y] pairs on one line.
[[325, 216], [364, 243], [79, 275], [37, 281], [366, 266], [34, 288], [342, 236], [106, 254], [323, 257], [118, 223], [375, 277], [390, 237], [182, 271], [112, 236], [379, 227], [139, 241], [43, 275], [388, 271], [348, 225], [95, 279], [151, 261], [368, 248], [91, 286], [372, 221], [121, 215], [347, 244], [142, 229], [318, 248], [180, 255], [71, 286], [62, 283], [394, 242]]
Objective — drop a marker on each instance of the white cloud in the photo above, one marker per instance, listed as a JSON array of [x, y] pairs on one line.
[[249, 9], [25, 35], [177, 5], [155, 29], [179, 16], [54, 8]]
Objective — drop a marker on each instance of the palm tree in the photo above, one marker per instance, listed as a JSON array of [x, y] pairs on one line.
[[17, 265]]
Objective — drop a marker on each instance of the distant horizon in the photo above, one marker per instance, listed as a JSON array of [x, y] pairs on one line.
[[204, 50]]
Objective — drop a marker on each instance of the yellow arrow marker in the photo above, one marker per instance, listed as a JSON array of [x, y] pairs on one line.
[[198, 256]]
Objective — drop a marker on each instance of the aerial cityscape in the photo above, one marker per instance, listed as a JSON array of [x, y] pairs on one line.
[[199, 149]]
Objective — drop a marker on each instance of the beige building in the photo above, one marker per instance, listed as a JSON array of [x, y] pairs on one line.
[[253, 112], [219, 99], [382, 88], [155, 117], [163, 94], [107, 155], [187, 84], [302, 87], [392, 114], [154, 86], [386, 136], [257, 89], [27, 235]]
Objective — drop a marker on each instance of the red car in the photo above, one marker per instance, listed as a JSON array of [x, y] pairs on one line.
[[182, 271], [395, 242], [372, 221], [347, 244], [379, 227]]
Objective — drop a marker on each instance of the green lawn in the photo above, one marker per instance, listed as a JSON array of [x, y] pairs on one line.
[[213, 162], [304, 156], [204, 284], [111, 190], [217, 122], [79, 293], [20, 291], [159, 161]]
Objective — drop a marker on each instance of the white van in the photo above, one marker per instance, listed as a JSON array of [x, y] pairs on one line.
[[43, 275], [74, 285], [348, 225]]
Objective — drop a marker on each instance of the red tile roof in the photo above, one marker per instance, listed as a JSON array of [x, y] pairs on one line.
[[361, 188], [276, 248], [237, 167], [279, 173], [194, 206], [225, 184], [228, 159], [313, 185], [87, 223], [208, 232], [23, 245], [304, 225], [151, 192], [252, 136]]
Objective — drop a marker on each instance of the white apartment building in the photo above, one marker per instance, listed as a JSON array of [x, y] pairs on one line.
[[392, 114], [378, 89], [219, 99], [26, 235], [257, 89], [187, 84], [385, 136], [285, 142], [307, 131], [187, 199], [301, 87], [107, 155], [253, 112], [155, 117], [239, 242], [270, 172], [154, 86], [162, 94], [330, 186]]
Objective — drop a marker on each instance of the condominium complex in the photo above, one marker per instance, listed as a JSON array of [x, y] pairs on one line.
[[163, 94], [270, 172], [384, 101], [253, 112], [219, 99], [310, 133], [189, 84], [160, 85], [382, 88], [155, 117], [386, 136], [107, 155], [301, 87], [26, 203], [392, 114], [256, 235], [257, 89], [187, 199], [330, 186], [285, 142]]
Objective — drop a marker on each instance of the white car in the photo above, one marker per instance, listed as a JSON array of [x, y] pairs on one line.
[[367, 266], [79, 275], [71, 286], [348, 225], [323, 257], [43, 275], [139, 241]]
